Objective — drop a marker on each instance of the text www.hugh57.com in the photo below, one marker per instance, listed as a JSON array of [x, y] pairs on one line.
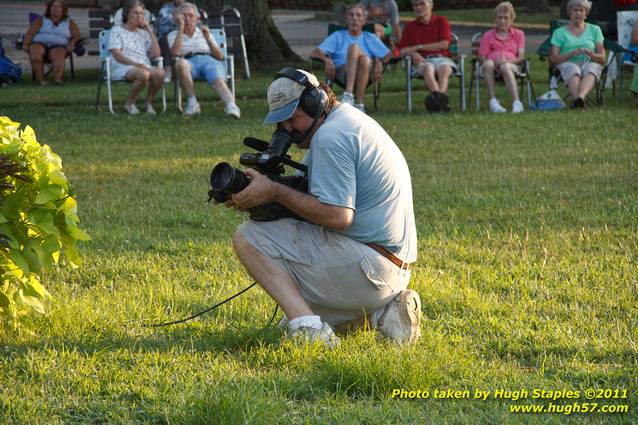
[[568, 409]]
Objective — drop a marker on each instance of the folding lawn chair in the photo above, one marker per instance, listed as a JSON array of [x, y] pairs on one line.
[[105, 72], [614, 54], [376, 84], [459, 73], [522, 77], [626, 20], [79, 50], [231, 19], [219, 35]]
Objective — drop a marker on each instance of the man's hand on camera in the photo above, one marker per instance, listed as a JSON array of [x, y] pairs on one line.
[[261, 190]]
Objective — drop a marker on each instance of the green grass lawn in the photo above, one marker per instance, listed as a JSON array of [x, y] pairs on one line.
[[528, 230]]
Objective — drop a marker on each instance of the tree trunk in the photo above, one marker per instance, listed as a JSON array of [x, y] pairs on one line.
[[536, 6], [264, 42]]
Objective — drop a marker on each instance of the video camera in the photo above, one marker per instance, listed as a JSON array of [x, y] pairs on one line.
[[226, 179]]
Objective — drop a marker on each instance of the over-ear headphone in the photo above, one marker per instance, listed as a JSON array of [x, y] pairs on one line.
[[314, 100]]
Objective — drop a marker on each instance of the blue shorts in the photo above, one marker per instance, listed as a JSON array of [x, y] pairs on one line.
[[204, 67]]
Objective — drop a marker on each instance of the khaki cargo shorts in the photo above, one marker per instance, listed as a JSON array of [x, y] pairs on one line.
[[569, 69], [341, 279]]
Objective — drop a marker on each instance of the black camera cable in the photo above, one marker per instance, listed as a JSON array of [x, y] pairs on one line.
[[175, 322]]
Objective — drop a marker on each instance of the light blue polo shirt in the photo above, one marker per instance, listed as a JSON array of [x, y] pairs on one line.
[[354, 163], [337, 43]]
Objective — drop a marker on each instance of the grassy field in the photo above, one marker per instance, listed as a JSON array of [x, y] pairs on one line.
[[528, 230]]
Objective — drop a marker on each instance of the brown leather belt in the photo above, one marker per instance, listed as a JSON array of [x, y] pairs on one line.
[[390, 256]]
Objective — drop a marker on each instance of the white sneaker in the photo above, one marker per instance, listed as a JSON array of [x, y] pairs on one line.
[[495, 106], [347, 97], [131, 109], [283, 322], [192, 109], [401, 319], [361, 107], [517, 107], [310, 335], [233, 110], [150, 110]]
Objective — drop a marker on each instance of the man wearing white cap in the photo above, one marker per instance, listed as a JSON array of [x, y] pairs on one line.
[[351, 259]]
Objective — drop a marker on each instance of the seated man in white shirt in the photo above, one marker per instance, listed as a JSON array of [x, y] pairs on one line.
[[200, 58]]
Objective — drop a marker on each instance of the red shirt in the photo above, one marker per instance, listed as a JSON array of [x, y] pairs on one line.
[[416, 32]]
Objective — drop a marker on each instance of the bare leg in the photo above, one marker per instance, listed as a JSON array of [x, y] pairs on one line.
[[157, 79], [443, 77], [363, 75], [352, 66], [275, 281], [183, 68], [510, 80], [219, 85], [427, 71], [488, 74], [57, 56], [36, 56], [140, 78], [586, 85], [574, 84]]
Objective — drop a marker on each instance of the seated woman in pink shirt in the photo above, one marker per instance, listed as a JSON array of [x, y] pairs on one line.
[[502, 50]]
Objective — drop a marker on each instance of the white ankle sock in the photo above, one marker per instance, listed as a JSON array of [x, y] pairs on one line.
[[191, 100], [310, 321]]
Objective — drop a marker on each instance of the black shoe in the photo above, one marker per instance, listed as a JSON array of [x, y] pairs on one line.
[[578, 103], [444, 105], [432, 102]]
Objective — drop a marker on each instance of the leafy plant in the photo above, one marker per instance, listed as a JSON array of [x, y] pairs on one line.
[[38, 220]]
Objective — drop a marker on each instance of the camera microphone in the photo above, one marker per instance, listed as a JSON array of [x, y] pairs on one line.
[[256, 144]]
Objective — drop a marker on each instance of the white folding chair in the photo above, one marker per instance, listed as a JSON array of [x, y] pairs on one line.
[[219, 35], [105, 72]]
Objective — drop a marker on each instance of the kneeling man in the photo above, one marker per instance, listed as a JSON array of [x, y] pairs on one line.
[[350, 258]]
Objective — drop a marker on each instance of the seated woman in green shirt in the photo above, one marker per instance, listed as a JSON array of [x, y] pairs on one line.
[[577, 51]]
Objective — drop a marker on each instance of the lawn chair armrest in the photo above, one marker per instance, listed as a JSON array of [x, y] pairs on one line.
[[159, 61], [612, 46]]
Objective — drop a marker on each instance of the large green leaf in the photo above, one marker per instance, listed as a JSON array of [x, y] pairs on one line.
[[20, 261], [33, 302], [33, 287], [38, 219], [49, 193]]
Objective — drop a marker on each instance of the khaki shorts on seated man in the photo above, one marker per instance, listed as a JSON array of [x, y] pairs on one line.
[[349, 259], [427, 40], [200, 59], [349, 56]]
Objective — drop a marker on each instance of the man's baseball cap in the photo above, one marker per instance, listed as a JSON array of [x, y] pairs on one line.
[[283, 97]]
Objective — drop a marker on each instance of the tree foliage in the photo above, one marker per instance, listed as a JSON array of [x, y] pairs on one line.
[[38, 220]]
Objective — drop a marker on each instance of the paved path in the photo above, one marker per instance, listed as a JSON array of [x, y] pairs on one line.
[[300, 29]]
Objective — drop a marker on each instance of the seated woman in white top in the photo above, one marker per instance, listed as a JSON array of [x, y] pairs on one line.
[[50, 38], [131, 45]]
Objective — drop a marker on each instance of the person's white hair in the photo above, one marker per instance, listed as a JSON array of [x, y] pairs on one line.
[[187, 5], [360, 6], [579, 3]]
